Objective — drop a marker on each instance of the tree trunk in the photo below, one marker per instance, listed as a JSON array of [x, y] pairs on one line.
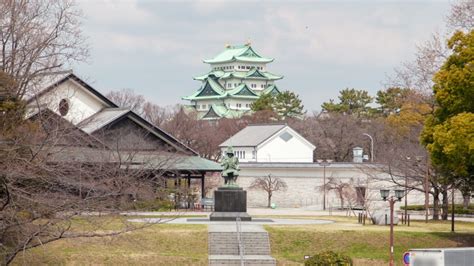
[[269, 200], [435, 203], [444, 215], [466, 200]]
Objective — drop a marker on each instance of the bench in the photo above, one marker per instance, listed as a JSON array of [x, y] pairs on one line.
[[207, 203]]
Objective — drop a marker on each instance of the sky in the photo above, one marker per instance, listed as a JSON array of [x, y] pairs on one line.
[[320, 47]]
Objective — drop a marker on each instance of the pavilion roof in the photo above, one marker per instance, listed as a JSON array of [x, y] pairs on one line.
[[243, 53]]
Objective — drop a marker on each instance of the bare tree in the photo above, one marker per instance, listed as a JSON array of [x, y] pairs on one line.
[[38, 38], [269, 184], [339, 186], [51, 173]]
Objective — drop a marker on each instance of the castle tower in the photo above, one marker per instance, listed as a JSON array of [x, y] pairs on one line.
[[237, 78]]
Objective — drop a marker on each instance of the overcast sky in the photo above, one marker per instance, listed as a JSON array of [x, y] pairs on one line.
[[320, 47]]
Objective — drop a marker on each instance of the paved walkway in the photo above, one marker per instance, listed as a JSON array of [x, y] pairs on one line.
[[306, 211], [254, 222]]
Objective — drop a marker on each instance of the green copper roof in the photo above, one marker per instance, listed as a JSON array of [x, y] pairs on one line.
[[253, 73], [210, 89], [221, 111], [273, 89], [243, 53], [242, 91]]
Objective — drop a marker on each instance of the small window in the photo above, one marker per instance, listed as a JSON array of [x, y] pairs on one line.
[[254, 153], [229, 85], [248, 67], [286, 136], [64, 107], [247, 105]]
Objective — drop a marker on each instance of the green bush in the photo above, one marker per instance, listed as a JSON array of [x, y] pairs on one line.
[[328, 258]]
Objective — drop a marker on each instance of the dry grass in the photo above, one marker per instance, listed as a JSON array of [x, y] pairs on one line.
[[161, 244], [169, 244], [367, 245]]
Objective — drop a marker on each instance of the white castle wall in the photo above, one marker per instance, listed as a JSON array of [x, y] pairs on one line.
[[304, 187]]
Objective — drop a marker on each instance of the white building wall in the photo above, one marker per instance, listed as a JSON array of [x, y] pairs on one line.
[[244, 66], [231, 103], [304, 187], [82, 104], [245, 154], [278, 150]]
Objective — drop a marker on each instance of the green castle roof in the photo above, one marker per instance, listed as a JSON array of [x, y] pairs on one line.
[[243, 53], [211, 89], [221, 111], [253, 73]]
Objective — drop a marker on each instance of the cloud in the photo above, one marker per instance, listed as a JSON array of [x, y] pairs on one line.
[[320, 47]]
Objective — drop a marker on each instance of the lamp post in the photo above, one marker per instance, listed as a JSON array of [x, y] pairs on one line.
[[324, 163], [385, 193], [371, 147]]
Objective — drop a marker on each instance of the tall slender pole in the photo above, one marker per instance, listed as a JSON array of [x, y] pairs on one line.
[[452, 210], [406, 198], [324, 186], [392, 202], [426, 192]]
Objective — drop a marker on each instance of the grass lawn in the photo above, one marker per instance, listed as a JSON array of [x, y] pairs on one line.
[[367, 245], [170, 244], [160, 244]]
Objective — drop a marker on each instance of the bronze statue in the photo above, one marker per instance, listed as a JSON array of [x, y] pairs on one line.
[[230, 165]]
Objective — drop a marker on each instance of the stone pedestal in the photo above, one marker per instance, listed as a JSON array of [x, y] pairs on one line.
[[230, 203]]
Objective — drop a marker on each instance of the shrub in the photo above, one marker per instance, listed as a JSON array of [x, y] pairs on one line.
[[328, 258]]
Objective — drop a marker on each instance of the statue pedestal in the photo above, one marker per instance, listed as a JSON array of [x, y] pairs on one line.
[[230, 203]]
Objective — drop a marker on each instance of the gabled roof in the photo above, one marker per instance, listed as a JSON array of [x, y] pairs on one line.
[[217, 111], [253, 135], [75, 79], [101, 119], [243, 91], [110, 115], [211, 89], [243, 53], [273, 90]]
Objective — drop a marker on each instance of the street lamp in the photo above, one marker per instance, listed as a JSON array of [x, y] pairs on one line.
[[324, 163], [371, 147], [385, 194]]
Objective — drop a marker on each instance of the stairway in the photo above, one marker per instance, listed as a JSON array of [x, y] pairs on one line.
[[224, 247]]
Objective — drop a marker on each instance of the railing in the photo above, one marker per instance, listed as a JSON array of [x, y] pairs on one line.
[[239, 240]]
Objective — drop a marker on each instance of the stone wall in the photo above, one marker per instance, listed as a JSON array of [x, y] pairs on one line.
[[304, 186]]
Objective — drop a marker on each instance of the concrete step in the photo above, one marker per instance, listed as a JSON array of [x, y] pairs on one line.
[[249, 260]]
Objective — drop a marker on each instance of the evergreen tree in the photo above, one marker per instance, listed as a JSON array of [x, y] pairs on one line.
[[263, 103], [351, 101], [287, 104]]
